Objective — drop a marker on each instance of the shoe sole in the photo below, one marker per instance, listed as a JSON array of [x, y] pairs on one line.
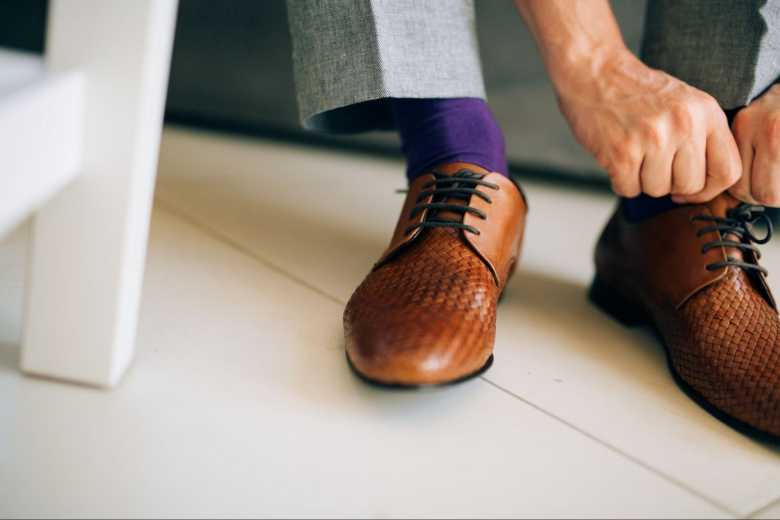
[[418, 386], [627, 313]]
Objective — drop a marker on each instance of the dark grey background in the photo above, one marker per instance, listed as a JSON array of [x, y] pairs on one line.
[[231, 70]]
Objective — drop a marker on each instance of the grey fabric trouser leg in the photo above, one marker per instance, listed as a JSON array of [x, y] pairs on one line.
[[350, 55], [727, 48]]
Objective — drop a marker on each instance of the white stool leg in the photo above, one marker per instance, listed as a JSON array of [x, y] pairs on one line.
[[89, 242]]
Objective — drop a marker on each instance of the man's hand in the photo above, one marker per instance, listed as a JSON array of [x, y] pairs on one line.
[[757, 131], [651, 132]]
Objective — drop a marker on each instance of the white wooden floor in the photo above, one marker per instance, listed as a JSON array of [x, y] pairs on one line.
[[240, 403]]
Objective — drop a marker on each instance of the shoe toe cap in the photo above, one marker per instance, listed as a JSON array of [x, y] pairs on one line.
[[408, 354], [745, 387]]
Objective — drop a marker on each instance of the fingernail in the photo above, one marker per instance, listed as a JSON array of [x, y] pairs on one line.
[[678, 200]]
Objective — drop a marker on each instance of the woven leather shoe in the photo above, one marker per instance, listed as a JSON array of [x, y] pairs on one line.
[[426, 314], [693, 273]]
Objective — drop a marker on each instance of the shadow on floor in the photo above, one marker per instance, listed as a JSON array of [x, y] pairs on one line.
[[572, 323]]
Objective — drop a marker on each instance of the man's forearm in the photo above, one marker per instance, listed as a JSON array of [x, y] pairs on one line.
[[572, 34]]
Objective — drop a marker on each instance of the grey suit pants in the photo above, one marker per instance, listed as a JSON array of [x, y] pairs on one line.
[[349, 56]]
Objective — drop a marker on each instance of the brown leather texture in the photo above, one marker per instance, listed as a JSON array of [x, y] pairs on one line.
[[507, 218], [426, 314], [720, 328], [406, 219]]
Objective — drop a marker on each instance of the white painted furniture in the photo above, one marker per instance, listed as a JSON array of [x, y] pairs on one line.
[[78, 149]]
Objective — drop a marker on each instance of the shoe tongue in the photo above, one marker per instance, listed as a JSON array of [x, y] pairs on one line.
[[721, 204], [451, 169], [719, 207], [455, 167]]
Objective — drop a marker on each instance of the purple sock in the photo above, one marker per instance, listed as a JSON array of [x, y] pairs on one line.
[[437, 131], [644, 206]]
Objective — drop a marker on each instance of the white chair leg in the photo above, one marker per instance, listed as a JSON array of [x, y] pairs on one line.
[[89, 242]]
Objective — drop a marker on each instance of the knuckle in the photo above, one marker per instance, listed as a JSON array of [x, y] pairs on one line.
[[652, 133], [709, 103], [625, 154], [619, 159], [709, 110], [681, 117]]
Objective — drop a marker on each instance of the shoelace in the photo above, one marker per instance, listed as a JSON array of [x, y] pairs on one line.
[[739, 221], [460, 186]]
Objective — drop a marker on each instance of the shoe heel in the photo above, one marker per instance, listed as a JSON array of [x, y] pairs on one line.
[[610, 302]]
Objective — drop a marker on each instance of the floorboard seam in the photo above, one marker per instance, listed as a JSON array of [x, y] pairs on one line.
[[617, 450], [221, 237], [765, 508]]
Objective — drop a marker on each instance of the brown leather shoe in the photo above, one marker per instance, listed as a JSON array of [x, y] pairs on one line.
[[693, 273], [426, 314]]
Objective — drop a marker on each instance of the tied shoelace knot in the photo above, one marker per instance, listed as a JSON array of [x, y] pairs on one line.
[[444, 190], [739, 221]]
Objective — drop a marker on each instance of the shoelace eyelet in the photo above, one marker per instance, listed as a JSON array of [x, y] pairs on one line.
[[462, 185], [739, 221]]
